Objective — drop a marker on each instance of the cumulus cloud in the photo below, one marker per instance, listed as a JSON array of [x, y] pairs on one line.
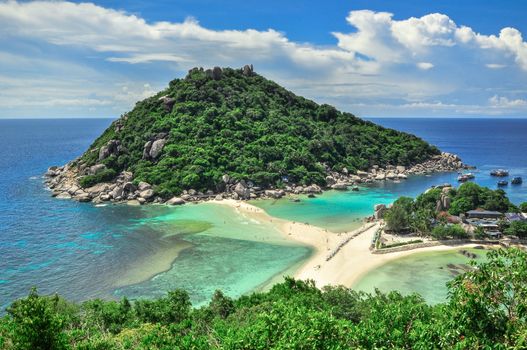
[[379, 62], [501, 101]]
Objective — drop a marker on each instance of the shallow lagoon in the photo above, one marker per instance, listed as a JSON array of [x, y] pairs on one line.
[[425, 273]]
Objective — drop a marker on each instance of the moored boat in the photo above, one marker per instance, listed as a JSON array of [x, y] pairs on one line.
[[499, 172], [503, 183], [516, 181]]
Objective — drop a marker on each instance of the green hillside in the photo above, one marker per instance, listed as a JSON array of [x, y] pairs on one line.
[[236, 122]]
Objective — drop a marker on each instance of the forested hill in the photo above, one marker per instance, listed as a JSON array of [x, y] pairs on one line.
[[236, 122]]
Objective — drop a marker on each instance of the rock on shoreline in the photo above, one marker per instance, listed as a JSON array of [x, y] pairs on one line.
[[64, 182]]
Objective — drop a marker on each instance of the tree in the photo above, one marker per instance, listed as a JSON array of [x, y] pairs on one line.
[[523, 207], [398, 217], [488, 305], [517, 228], [36, 323]]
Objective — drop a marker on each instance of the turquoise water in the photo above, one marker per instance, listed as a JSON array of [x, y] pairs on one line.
[[341, 211], [83, 251], [337, 211], [227, 251], [423, 273]]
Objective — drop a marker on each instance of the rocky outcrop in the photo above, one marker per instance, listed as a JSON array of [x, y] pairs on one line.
[[64, 184], [175, 201], [443, 203], [214, 73], [341, 186], [168, 103], [274, 193], [242, 190], [112, 147], [379, 211], [153, 148], [248, 70]]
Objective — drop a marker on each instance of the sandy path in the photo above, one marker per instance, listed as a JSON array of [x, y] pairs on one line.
[[346, 267]]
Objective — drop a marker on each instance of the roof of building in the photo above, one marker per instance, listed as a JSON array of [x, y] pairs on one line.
[[484, 212], [514, 217]]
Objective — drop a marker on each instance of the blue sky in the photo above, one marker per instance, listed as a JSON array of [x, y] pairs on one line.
[[372, 58]]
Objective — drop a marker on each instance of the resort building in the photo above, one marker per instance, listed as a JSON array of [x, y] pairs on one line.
[[484, 214]]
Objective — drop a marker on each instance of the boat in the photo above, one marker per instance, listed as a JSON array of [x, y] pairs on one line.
[[503, 183], [516, 181], [499, 172], [465, 177], [462, 178]]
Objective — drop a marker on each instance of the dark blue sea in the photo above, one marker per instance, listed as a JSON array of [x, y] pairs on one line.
[[80, 250]]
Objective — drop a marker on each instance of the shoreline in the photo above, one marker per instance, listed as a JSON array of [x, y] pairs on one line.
[[350, 262], [64, 183]]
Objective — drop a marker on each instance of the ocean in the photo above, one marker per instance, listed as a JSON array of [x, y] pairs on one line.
[[84, 251]]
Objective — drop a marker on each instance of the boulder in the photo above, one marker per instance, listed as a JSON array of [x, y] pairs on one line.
[[216, 73], [117, 192], [95, 169], [129, 187], [330, 180], [402, 176], [313, 189], [168, 103], [274, 193], [400, 168], [175, 201], [380, 176], [142, 186], [247, 70], [125, 176], [52, 172], [379, 211], [186, 197], [146, 149], [226, 178], [147, 194], [362, 174], [241, 190], [219, 197], [96, 189], [391, 175], [340, 186], [112, 147], [72, 189], [84, 197], [63, 195], [157, 147]]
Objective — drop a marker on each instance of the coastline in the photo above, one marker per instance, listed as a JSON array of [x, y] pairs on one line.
[[350, 262]]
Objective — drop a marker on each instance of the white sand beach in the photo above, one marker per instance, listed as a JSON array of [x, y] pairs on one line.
[[348, 265]]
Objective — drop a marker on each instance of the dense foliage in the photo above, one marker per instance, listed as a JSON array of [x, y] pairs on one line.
[[517, 228], [421, 216], [523, 207], [448, 231], [470, 196], [486, 310], [252, 129]]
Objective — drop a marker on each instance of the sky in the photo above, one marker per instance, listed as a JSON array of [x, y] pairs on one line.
[[373, 58]]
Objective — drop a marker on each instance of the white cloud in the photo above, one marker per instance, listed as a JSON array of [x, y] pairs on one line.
[[381, 62], [500, 101], [425, 65], [495, 65]]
